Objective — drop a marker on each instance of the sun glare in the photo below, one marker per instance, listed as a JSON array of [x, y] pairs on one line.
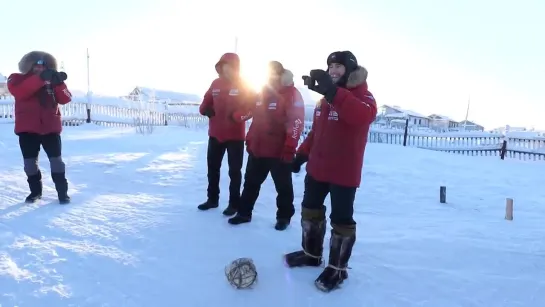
[[255, 75]]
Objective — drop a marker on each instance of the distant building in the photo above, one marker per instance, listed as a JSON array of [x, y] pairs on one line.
[[396, 116], [4, 93], [169, 97], [442, 123], [467, 125]]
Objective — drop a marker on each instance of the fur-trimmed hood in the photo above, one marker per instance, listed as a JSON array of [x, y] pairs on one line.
[[286, 79], [357, 77], [30, 59]]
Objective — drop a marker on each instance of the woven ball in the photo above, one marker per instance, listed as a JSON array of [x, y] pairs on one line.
[[241, 273]]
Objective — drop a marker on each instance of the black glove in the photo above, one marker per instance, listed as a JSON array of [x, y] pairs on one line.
[[299, 160], [324, 84], [53, 76], [209, 113], [59, 78]]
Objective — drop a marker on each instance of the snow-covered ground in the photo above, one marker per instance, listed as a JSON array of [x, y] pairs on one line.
[[133, 235]]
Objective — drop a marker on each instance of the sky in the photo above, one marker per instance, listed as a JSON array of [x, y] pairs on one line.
[[429, 56]]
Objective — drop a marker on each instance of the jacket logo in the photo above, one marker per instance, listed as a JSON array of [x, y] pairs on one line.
[[296, 129], [272, 106], [233, 92], [318, 112], [333, 115], [215, 92]]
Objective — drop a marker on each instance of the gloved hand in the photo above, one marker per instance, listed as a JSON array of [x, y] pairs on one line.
[[53, 77], [299, 160], [209, 113], [287, 155], [324, 84]]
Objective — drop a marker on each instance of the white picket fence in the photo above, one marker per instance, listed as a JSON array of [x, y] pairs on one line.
[[130, 113]]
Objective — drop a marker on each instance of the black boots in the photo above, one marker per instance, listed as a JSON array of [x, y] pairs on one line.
[[343, 238], [312, 243], [339, 254], [36, 188], [61, 185], [239, 219], [282, 224], [209, 204]]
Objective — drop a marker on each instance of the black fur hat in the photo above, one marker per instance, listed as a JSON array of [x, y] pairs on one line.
[[345, 58], [30, 59]]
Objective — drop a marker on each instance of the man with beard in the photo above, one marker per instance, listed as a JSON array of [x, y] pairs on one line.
[[334, 150]]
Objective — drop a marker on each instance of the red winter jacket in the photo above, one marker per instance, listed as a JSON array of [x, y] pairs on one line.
[[278, 121], [35, 109], [225, 98], [336, 143]]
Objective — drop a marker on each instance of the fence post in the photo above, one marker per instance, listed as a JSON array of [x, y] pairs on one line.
[[503, 149], [405, 134]]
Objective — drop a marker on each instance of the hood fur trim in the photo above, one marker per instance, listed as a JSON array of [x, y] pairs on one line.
[[286, 79], [29, 59], [357, 77]]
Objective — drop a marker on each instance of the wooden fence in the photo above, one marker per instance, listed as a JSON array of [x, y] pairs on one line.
[[135, 114]]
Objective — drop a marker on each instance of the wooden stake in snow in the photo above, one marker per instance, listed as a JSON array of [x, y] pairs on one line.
[[509, 209], [443, 194]]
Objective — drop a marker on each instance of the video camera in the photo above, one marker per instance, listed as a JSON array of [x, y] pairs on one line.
[[309, 81]]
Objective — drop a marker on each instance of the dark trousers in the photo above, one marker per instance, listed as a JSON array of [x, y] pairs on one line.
[[214, 158], [257, 170], [342, 200], [30, 144]]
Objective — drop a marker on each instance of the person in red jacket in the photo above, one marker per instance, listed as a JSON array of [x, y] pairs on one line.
[[334, 149], [227, 96], [272, 140], [38, 90]]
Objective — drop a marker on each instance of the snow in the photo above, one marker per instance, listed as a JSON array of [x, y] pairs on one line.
[[133, 235]]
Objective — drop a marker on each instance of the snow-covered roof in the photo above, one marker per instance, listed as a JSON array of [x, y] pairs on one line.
[[469, 123], [442, 117], [164, 95], [404, 111], [2, 78]]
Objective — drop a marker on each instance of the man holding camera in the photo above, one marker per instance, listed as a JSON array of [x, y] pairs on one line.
[[278, 121], [38, 90], [227, 104], [333, 151]]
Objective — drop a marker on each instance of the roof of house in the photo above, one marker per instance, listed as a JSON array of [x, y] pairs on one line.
[[469, 123], [164, 94], [443, 117], [406, 112]]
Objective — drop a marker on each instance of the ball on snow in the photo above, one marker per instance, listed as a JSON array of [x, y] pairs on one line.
[[241, 273]]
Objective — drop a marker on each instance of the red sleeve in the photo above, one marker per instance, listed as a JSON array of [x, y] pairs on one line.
[[354, 110], [62, 94], [245, 112], [296, 120], [22, 87], [207, 102], [307, 143]]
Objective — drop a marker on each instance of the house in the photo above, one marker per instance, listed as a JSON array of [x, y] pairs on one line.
[[4, 93], [170, 97], [396, 116], [442, 122], [467, 125]]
